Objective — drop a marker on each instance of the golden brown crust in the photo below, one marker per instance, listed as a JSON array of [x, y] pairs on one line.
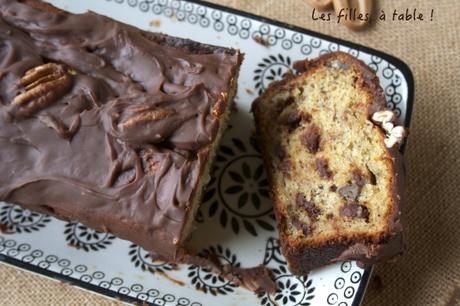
[[303, 258]]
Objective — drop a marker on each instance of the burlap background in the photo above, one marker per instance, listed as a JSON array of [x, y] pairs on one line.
[[429, 273]]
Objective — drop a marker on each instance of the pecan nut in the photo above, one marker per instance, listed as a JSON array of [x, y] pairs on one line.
[[143, 114], [383, 116], [393, 134], [42, 85]]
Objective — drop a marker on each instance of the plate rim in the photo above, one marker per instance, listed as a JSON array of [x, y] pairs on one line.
[[361, 290]]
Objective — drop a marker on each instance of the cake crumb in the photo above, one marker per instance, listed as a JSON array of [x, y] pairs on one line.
[[155, 23], [72, 245], [249, 91], [4, 229], [261, 41]]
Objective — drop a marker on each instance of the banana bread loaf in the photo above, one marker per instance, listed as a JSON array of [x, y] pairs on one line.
[[107, 124], [331, 152]]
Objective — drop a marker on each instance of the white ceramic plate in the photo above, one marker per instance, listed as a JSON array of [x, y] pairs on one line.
[[236, 220]]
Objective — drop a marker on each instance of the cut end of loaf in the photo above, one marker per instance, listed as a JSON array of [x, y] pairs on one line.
[[332, 177]]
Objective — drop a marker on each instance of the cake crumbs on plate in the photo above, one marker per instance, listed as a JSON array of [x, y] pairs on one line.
[[155, 23], [261, 41], [249, 91], [5, 229]]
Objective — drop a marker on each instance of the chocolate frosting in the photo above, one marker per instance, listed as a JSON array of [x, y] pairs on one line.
[[120, 135]]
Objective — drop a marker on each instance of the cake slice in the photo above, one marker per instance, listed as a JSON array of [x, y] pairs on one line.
[[331, 152], [107, 124]]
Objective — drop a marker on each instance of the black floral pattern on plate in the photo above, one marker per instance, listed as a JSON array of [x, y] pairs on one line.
[[249, 185], [21, 220], [87, 239], [273, 252], [203, 279], [238, 193], [292, 290], [142, 259], [271, 68]]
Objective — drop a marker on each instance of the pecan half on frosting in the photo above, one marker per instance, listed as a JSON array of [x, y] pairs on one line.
[[42, 86], [143, 114]]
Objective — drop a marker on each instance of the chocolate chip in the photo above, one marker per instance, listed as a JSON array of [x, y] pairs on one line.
[[358, 178], [306, 117], [301, 226], [312, 210], [292, 120], [329, 216], [355, 79], [289, 101], [333, 188], [311, 139], [350, 192], [354, 211], [323, 168]]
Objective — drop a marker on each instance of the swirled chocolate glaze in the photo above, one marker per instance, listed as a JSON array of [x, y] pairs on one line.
[[106, 124]]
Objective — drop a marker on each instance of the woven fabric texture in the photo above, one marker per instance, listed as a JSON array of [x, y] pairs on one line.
[[429, 272]]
